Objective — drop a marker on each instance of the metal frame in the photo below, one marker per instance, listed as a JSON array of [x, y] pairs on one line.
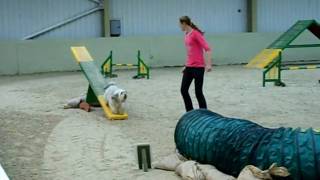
[[99, 6], [108, 73], [141, 64], [283, 42], [274, 64], [278, 63], [142, 69]]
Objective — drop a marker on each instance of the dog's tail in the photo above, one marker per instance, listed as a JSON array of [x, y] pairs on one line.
[[109, 84]]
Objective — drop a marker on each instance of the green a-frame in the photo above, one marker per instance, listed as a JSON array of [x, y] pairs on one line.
[[270, 58]]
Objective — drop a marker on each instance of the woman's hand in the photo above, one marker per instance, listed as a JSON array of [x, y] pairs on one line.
[[209, 61], [208, 68]]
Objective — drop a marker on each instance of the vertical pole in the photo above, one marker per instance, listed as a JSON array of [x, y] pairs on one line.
[[106, 18], [263, 79], [139, 64], [279, 69], [111, 64], [252, 15]]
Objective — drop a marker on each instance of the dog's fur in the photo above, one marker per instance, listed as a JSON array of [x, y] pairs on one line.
[[115, 98]]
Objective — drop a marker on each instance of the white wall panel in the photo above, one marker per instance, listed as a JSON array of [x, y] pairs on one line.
[[19, 18], [279, 15], [159, 17]]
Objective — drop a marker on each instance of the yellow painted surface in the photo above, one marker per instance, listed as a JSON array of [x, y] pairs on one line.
[[264, 58], [108, 111], [143, 69], [303, 67], [106, 67], [81, 54], [311, 67], [124, 64], [294, 68], [273, 73]]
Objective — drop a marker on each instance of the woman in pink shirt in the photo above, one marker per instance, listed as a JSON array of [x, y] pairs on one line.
[[196, 64]]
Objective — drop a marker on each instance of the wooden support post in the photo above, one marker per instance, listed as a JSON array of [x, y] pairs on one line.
[[252, 15], [106, 18]]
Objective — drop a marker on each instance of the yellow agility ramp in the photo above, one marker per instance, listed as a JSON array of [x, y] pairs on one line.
[[96, 82], [264, 58]]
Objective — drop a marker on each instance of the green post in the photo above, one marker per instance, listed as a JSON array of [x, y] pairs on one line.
[[91, 97], [263, 79], [110, 72], [139, 64], [279, 81], [111, 64], [279, 68]]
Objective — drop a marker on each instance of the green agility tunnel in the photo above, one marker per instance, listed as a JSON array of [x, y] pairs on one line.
[[230, 144]]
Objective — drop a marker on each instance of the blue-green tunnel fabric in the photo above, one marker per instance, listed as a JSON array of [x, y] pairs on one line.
[[230, 144]]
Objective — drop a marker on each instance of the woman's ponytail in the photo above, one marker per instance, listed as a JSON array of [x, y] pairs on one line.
[[196, 28], [187, 20]]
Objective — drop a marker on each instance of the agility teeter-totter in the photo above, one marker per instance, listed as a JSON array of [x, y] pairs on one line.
[[96, 82], [230, 144], [270, 59]]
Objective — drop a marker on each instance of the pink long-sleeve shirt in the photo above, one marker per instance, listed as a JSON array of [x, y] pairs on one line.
[[196, 45]]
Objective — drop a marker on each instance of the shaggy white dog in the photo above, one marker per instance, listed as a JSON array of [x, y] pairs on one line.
[[115, 98]]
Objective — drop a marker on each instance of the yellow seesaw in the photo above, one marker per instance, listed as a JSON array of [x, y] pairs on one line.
[[96, 81]]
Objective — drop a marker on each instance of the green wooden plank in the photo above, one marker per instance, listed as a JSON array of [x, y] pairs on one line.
[[95, 78], [286, 38], [303, 45], [299, 67]]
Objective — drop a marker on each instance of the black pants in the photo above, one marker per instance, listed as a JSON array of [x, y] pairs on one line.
[[189, 74]]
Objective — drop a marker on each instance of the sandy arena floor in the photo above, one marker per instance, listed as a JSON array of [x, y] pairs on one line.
[[40, 140]]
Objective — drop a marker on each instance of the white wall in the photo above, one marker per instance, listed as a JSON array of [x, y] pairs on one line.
[[279, 15], [19, 18], [160, 17]]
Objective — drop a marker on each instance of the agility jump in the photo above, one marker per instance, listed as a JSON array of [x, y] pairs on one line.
[[96, 82], [270, 59], [142, 69]]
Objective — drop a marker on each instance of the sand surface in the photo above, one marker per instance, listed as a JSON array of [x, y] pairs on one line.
[[40, 140]]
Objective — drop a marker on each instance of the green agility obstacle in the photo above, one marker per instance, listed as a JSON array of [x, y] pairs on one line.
[[270, 59], [230, 144], [142, 69], [97, 82]]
